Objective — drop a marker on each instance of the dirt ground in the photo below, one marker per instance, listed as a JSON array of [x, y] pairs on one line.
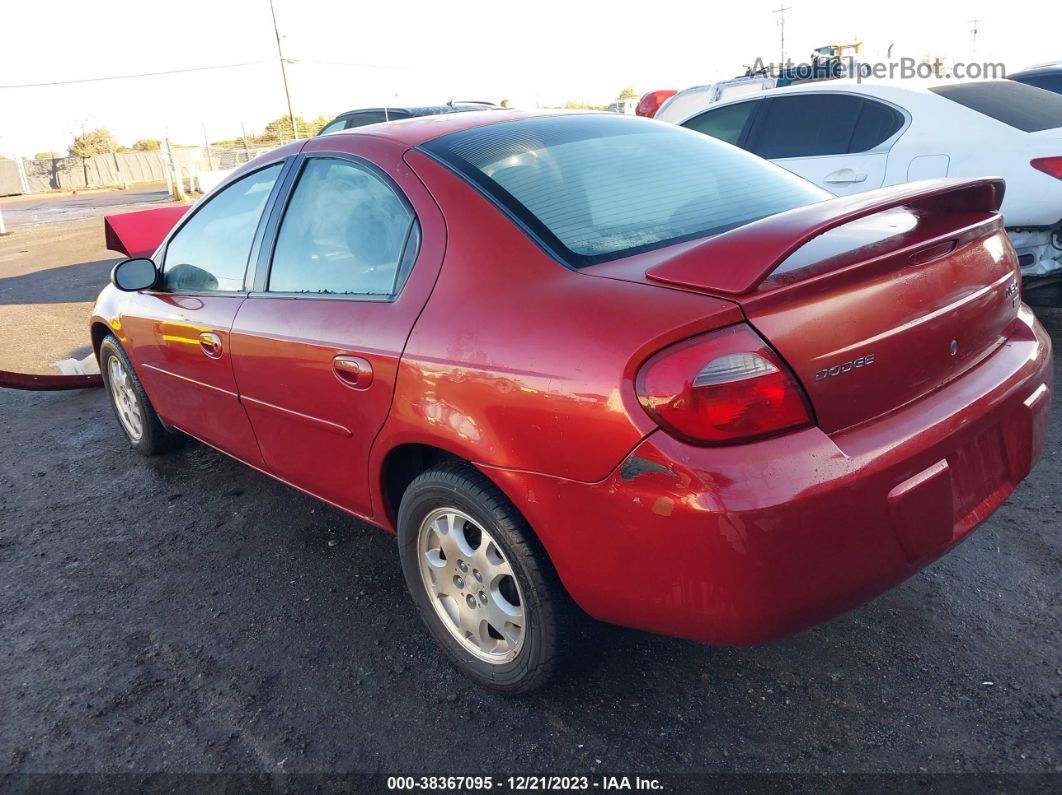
[[186, 614], [52, 265]]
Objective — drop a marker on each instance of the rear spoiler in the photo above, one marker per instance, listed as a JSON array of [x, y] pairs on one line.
[[139, 234], [735, 262]]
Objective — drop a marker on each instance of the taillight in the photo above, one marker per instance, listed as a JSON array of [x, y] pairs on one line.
[[651, 101], [1048, 165], [722, 388]]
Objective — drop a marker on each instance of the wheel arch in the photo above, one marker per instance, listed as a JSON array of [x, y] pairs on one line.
[[99, 331], [400, 466]]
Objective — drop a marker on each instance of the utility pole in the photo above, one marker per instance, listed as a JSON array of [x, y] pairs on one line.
[[976, 23], [283, 71], [780, 11], [209, 154]]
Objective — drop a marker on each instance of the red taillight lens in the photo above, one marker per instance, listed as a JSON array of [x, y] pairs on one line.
[[1048, 165], [722, 388], [651, 101]]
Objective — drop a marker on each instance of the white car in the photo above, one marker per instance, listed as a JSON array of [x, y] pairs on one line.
[[849, 137]]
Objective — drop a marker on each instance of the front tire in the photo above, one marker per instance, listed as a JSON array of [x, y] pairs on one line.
[[481, 581], [134, 411]]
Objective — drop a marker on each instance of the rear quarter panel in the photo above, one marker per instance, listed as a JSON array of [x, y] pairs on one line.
[[518, 362]]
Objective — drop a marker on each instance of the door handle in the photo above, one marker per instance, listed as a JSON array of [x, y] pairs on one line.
[[844, 176], [211, 344], [353, 371]]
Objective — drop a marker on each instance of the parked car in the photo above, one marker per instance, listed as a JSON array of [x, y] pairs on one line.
[[590, 363], [364, 116], [650, 101], [682, 104], [1045, 76], [826, 63], [850, 138]]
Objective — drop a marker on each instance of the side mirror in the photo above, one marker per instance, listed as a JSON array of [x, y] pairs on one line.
[[131, 275]]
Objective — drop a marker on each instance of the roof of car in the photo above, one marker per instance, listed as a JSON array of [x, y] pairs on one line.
[[419, 129], [895, 90], [421, 110]]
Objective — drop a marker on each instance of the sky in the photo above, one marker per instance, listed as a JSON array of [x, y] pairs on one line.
[[350, 54]]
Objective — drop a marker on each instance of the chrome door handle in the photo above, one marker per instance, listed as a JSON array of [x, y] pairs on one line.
[[353, 371], [211, 344]]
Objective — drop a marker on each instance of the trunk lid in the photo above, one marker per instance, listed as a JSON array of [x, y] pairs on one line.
[[868, 338], [873, 300]]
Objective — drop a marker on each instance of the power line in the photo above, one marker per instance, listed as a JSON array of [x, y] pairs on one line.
[[128, 77]]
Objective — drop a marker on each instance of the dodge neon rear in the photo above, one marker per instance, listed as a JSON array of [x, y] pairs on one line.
[[598, 358]]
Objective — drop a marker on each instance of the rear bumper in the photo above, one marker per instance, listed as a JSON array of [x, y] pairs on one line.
[[739, 545]]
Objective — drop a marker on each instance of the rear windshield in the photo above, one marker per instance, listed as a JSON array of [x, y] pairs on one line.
[[591, 188], [1024, 107], [1049, 81]]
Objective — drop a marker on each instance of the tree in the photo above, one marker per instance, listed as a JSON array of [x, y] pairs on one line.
[[47, 156], [97, 142], [934, 63], [147, 145], [628, 93], [280, 129]]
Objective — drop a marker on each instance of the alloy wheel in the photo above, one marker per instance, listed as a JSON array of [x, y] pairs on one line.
[[471, 585], [126, 403]]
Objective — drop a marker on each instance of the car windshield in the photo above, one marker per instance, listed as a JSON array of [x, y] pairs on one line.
[[591, 188]]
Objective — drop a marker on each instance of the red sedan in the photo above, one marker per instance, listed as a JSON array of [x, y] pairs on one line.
[[587, 363]]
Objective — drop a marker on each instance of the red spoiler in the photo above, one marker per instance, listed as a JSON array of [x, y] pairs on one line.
[[735, 262], [139, 234]]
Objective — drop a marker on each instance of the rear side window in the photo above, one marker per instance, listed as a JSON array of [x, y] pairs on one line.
[[344, 233], [591, 188], [1023, 107], [816, 125], [726, 123], [210, 251]]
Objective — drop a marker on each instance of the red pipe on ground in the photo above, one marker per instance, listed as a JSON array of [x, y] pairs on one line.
[[48, 383]]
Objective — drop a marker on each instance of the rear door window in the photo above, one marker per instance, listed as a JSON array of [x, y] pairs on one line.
[[1023, 107], [726, 123], [345, 232], [806, 125], [820, 125]]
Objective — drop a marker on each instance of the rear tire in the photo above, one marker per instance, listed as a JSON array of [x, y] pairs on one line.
[[135, 414], [481, 581]]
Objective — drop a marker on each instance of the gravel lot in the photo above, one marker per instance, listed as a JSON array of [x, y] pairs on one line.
[[186, 614]]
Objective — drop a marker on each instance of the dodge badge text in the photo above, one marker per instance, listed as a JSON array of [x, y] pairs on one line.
[[837, 369]]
